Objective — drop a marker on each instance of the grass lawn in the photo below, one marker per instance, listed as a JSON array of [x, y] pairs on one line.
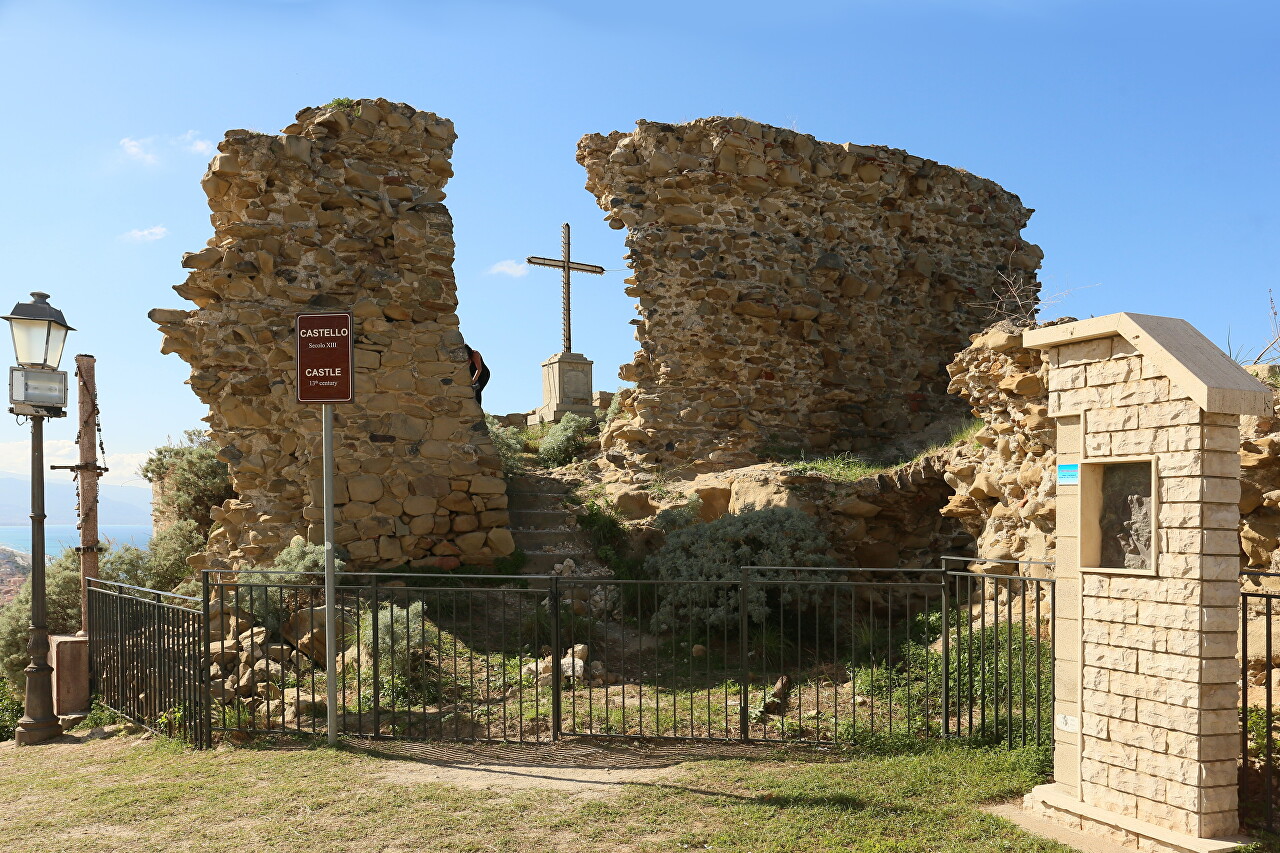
[[125, 793]]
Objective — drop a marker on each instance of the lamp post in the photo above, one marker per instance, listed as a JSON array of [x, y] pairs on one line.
[[38, 390]]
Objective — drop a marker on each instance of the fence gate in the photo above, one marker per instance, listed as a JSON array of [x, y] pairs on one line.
[[777, 654], [147, 658]]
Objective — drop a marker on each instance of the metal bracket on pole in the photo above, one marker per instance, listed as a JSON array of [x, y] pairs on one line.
[[330, 593]]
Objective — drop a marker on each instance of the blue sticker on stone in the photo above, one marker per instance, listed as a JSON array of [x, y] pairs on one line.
[[1068, 475]]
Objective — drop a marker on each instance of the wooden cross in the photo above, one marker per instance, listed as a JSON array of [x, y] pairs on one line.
[[566, 266]]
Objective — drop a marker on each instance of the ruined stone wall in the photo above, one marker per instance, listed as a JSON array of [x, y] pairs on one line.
[[795, 292], [340, 212], [1005, 491]]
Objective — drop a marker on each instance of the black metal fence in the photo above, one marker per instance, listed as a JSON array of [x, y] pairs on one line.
[[1000, 652], [147, 658], [1259, 775], [776, 654]]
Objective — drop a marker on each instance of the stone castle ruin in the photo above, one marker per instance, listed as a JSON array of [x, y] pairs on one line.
[[342, 211], [792, 293], [796, 292]]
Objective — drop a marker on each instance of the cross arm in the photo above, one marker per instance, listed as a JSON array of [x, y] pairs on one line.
[[574, 266]]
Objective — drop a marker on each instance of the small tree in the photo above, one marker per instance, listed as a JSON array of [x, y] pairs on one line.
[[62, 602], [162, 565], [191, 477]]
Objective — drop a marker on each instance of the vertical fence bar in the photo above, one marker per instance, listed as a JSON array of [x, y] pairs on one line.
[[744, 691], [557, 674], [375, 657], [946, 658], [1244, 684], [206, 676], [1269, 756], [1053, 653]]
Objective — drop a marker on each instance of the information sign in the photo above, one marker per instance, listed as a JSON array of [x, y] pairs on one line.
[[326, 368]]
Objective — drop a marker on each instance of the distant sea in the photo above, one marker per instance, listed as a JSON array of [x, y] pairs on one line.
[[59, 536]]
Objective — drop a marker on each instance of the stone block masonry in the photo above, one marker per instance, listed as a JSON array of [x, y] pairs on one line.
[[1146, 705], [340, 212], [796, 292]]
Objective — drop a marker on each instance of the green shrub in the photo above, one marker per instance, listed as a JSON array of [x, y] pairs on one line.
[[163, 565], [609, 540], [299, 564], [564, 441], [679, 517], [62, 603], [843, 467], [509, 442], [409, 650], [99, 716], [10, 710], [717, 551], [192, 478], [607, 416]]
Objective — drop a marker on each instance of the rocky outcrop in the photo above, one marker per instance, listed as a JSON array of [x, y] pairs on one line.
[[1004, 482], [887, 520], [795, 292], [342, 212], [1260, 489], [1005, 492]]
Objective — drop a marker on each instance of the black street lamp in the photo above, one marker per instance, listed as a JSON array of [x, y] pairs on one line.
[[38, 390]]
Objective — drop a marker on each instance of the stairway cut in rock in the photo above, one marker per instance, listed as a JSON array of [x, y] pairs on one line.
[[543, 528]]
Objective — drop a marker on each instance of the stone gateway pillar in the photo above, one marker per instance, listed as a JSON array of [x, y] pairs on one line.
[[1146, 709]]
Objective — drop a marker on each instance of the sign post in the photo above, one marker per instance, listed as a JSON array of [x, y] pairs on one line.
[[326, 375]]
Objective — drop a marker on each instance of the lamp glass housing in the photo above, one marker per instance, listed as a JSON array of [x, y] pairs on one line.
[[38, 343], [34, 386]]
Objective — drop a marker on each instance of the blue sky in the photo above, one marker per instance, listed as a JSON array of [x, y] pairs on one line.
[[1144, 134]]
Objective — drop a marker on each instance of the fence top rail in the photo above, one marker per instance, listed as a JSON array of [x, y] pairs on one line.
[[946, 557], [1260, 574], [877, 584], [101, 582], [843, 569], [1023, 578], [356, 576]]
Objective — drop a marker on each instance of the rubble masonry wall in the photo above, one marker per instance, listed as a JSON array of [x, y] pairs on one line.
[[795, 292], [341, 212]]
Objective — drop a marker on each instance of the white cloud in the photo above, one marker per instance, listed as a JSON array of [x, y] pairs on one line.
[[191, 141], [15, 460], [138, 149], [145, 235], [515, 269]]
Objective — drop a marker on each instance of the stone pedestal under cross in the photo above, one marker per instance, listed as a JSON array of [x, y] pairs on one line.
[[566, 376]]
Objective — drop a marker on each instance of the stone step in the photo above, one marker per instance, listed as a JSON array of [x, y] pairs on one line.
[[535, 500], [526, 484], [541, 563], [539, 519], [531, 541]]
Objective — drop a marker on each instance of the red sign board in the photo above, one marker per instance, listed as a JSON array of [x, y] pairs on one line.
[[326, 368]]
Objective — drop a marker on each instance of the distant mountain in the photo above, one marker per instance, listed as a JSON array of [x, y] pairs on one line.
[[116, 504]]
